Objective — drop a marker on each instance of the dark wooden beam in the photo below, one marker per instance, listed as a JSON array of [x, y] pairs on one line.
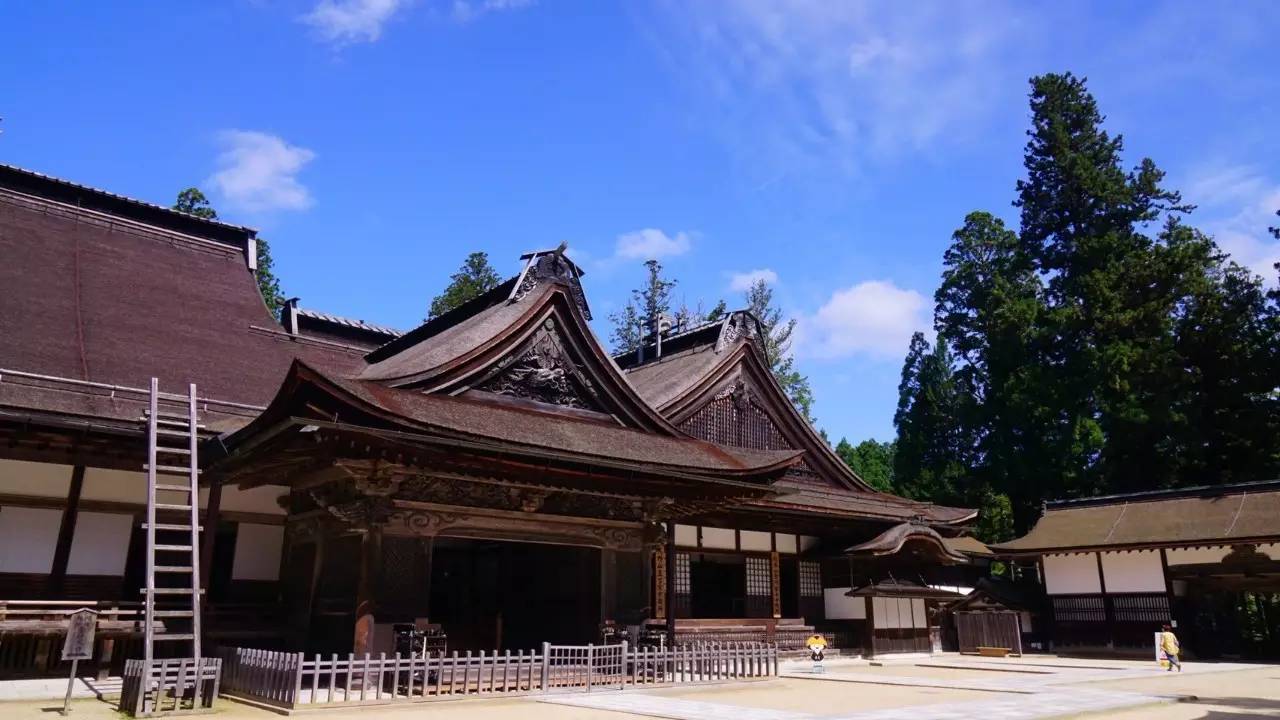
[[670, 589], [370, 562], [212, 513], [66, 532]]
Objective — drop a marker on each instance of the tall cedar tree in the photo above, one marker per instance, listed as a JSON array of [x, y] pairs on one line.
[[928, 463], [474, 278], [636, 323], [1089, 356], [777, 347], [193, 202]]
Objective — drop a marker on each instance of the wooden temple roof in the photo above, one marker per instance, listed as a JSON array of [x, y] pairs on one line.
[[723, 359], [1240, 513]]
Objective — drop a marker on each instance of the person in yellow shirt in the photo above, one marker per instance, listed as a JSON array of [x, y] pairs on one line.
[[1169, 644]]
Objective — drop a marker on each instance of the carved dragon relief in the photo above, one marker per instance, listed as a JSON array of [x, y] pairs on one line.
[[737, 325], [542, 370]]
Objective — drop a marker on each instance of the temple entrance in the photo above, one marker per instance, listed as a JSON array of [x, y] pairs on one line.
[[718, 585], [514, 596]]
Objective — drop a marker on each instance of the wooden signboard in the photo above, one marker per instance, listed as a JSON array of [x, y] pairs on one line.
[[78, 645], [80, 630]]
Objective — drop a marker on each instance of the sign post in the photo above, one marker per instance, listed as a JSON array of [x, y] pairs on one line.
[[78, 646]]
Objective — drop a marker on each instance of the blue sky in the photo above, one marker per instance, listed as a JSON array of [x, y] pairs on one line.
[[830, 146]]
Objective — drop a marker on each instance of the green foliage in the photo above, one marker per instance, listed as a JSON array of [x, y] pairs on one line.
[[776, 343], [871, 460], [717, 312], [636, 323], [1084, 354], [474, 278], [193, 202], [268, 283]]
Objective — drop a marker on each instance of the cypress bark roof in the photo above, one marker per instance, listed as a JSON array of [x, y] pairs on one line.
[[1206, 515]]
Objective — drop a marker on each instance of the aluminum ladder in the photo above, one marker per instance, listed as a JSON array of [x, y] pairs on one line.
[[172, 467]]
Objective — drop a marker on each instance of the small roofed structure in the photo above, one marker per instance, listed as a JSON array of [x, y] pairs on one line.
[[1117, 567]]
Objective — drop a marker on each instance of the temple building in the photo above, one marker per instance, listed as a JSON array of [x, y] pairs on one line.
[[1114, 569], [493, 472]]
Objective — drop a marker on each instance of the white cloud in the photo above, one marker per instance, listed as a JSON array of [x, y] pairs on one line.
[[258, 172], [650, 244], [467, 10], [816, 82], [742, 282], [1237, 203], [874, 318], [343, 22]]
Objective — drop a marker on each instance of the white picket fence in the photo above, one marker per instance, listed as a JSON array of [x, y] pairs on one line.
[[295, 680]]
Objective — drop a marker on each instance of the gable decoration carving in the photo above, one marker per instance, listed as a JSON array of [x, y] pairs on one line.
[[542, 370]]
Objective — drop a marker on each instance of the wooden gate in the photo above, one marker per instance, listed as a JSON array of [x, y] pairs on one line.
[[990, 628], [585, 666]]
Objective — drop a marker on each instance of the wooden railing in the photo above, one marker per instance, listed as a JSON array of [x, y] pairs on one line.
[[172, 686], [294, 680]]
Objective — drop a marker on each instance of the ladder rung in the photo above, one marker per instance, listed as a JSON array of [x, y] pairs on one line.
[[171, 526], [177, 423], [173, 548], [169, 591], [172, 613], [173, 636], [173, 450], [173, 488], [170, 506], [173, 568], [170, 469], [165, 432]]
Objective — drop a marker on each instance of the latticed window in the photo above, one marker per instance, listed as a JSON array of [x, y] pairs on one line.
[[681, 576], [758, 577], [810, 579]]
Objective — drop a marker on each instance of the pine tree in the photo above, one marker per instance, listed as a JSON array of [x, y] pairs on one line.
[[928, 462], [474, 278], [636, 323], [776, 343], [193, 202]]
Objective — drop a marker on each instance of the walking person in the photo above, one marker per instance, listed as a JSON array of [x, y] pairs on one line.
[[1169, 644]]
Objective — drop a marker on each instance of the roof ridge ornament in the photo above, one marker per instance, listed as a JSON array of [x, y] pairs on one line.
[[737, 324], [546, 266]]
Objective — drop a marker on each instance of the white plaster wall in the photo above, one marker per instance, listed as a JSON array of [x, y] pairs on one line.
[[28, 537], [1195, 556], [257, 555], [100, 545], [841, 607], [118, 486], [1271, 550], [18, 477], [719, 538], [898, 612], [918, 618], [1067, 574], [687, 535], [1138, 571], [755, 540], [786, 543]]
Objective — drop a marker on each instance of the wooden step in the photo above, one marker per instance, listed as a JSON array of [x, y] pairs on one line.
[[173, 488], [173, 613], [170, 506], [173, 450], [171, 526], [173, 548], [169, 591], [173, 636], [173, 568]]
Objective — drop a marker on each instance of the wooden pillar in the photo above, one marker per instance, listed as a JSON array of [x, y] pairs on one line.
[[608, 585], [370, 561], [66, 533], [210, 533], [1108, 611], [428, 557], [669, 592], [775, 583]]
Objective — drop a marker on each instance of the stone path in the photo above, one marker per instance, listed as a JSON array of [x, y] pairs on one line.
[[1023, 707]]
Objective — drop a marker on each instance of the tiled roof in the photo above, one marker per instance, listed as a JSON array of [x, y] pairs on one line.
[[348, 322]]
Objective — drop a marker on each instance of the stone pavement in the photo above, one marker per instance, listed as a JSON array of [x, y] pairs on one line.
[[1021, 707]]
